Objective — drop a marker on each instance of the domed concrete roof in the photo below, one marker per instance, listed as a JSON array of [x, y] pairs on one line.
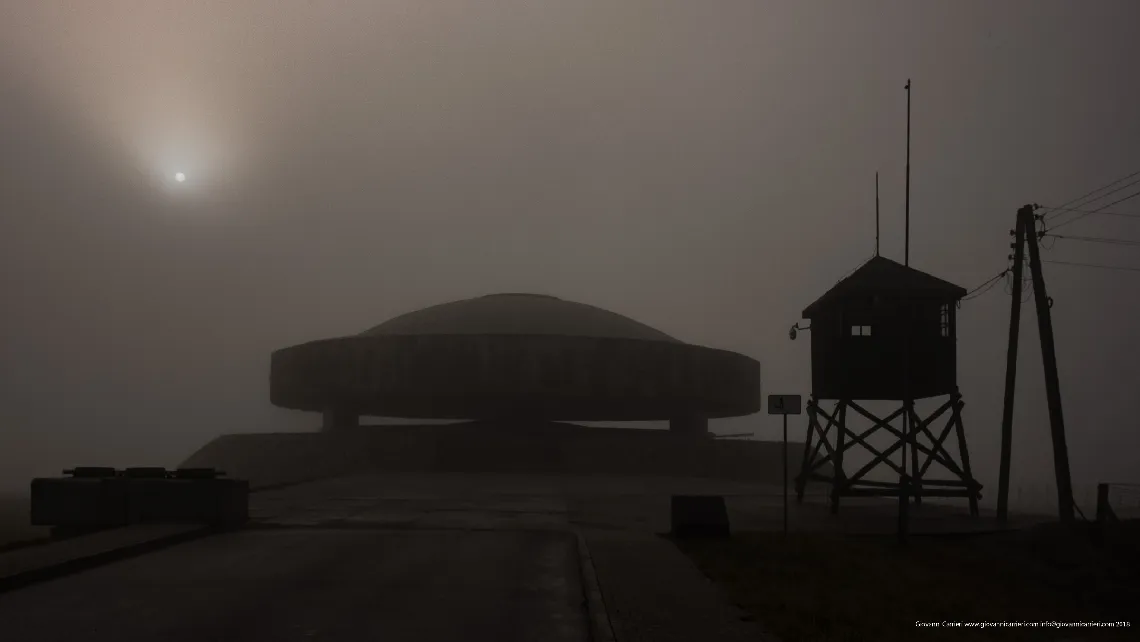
[[518, 314]]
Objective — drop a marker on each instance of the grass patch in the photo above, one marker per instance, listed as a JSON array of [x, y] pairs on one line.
[[829, 587]]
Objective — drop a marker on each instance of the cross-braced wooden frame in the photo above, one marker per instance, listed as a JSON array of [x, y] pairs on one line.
[[921, 441]]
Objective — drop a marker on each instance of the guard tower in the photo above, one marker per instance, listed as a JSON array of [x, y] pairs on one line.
[[886, 333]]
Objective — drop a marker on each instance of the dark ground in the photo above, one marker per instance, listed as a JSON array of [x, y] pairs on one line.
[[452, 554], [15, 525], [829, 587], [318, 585]]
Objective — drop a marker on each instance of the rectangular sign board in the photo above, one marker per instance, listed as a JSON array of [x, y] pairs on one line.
[[785, 404]]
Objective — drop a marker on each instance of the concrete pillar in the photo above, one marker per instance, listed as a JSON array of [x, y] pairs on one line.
[[339, 420], [690, 424]]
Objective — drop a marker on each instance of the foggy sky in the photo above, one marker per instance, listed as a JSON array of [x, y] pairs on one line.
[[705, 168]]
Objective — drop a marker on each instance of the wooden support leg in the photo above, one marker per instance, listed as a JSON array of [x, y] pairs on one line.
[[838, 480], [968, 476], [904, 516], [813, 425], [916, 474]]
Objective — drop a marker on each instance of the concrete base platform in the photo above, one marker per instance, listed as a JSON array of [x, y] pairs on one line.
[[489, 448], [598, 502], [316, 584]]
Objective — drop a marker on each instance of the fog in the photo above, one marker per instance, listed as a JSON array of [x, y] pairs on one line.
[[705, 168]]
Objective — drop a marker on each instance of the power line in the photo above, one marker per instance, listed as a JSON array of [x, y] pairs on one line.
[[981, 291], [1094, 239], [1086, 212], [1124, 268], [1102, 187], [1079, 211], [987, 284], [1026, 286], [1098, 210]]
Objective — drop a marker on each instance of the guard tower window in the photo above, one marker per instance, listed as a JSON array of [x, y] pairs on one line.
[[944, 320], [860, 330]]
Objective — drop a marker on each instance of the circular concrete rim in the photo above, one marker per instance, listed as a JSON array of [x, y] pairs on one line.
[[487, 376]]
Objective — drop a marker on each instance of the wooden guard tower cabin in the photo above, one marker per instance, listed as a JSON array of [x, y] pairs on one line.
[[886, 333]]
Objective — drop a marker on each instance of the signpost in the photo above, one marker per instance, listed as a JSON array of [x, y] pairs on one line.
[[785, 405]]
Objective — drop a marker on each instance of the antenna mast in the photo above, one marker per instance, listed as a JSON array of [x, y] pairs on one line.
[[876, 213], [906, 255]]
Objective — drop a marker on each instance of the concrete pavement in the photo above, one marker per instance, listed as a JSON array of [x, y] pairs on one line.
[[41, 562], [315, 584], [654, 593], [428, 557]]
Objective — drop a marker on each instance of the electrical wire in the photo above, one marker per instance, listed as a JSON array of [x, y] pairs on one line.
[[1080, 211], [1026, 287], [1009, 275], [1093, 239], [985, 286], [1026, 280], [1122, 268], [982, 291], [1102, 187], [1096, 211], [1040, 231]]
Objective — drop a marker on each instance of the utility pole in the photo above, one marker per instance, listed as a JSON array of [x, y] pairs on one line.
[[1024, 216], [904, 486], [1052, 383]]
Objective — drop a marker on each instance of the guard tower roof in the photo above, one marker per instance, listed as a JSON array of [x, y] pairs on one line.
[[884, 277]]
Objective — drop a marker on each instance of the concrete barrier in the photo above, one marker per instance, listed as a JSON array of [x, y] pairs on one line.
[[138, 496], [699, 516]]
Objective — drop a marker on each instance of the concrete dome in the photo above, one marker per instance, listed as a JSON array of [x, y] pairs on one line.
[[514, 356], [518, 314]]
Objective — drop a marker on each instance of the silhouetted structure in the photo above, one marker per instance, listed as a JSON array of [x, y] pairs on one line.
[[1026, 237], [885, 333], [515, 358]]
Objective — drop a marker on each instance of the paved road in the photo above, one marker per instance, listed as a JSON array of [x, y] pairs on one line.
[[420, 557], [318, 584], [531, 502]]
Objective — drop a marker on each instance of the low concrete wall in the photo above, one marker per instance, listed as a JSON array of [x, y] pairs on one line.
[[276, 458]]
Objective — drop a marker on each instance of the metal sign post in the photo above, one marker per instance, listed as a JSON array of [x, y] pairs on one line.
[[785, 405]]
